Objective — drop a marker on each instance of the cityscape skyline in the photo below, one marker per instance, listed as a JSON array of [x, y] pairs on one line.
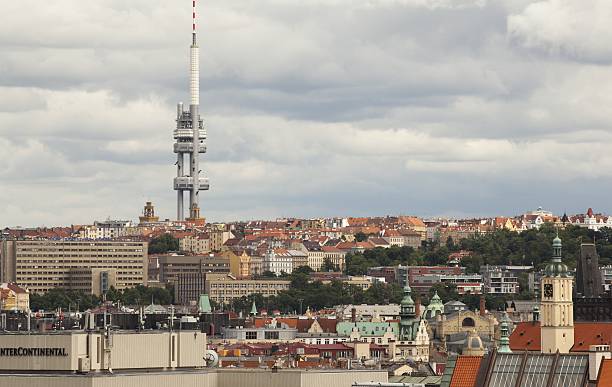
[[400, 116]]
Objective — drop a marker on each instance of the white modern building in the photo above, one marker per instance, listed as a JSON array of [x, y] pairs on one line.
[[278, 262]]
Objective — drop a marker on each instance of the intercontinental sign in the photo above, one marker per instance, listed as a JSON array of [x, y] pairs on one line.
[[25, 351]]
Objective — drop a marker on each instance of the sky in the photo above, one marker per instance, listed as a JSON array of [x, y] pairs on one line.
[[313, 108]]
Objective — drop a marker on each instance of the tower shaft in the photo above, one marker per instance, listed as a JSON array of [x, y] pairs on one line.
[[190, 136]]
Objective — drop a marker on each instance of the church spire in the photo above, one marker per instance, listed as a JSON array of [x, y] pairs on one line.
[[504, 333]]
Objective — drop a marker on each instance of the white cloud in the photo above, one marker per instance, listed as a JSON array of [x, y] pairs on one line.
[[313, 108], [575, 29]]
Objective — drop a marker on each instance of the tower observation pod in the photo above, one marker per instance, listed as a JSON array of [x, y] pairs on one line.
[[190, 136]]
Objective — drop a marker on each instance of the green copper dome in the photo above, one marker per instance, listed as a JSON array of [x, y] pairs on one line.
[[434, 308], [556, 268], [435, 299], [407, 300]]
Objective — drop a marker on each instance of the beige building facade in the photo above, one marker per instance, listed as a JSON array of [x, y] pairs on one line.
[[195, 244], [218, 238], [227, 289], [89, 266], [464, 321], [240, 263]]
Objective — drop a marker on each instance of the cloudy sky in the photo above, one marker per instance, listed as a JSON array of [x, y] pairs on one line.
[[313, 108]]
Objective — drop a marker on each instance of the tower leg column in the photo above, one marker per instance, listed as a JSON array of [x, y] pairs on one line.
[[179, 196], [179, 206]]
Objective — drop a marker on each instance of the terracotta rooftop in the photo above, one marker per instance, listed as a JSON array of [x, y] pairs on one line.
[[466, 370], [527, 336], [605, 374]]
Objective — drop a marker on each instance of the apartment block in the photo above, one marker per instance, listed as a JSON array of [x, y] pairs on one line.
[[218, 238], [195, 244], [503, 279], [89, 266], [171, 266], [225, 289]]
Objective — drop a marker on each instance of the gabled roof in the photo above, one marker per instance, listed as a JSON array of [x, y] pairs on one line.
[[328, 325], [466, 370], [15, 288]]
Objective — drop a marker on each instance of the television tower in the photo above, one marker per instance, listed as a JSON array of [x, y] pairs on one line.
[[190, 135]]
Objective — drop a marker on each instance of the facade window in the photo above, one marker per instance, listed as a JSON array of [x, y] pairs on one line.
[[251, 335], [271, 335]]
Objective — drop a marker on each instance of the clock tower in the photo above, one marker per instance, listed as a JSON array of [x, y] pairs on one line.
[[556, 309]]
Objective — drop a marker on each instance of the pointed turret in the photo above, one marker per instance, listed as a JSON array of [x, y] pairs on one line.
[[408, 319], [504, 333]]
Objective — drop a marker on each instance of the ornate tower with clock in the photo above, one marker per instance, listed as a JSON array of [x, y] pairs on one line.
[[557, 313]]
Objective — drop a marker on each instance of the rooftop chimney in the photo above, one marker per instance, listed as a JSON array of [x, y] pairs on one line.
[[596, 355]]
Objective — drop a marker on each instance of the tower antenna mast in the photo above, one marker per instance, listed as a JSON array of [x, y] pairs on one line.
[[190, 135]]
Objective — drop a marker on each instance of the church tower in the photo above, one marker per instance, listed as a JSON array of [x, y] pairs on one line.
[[407, 315], [556, 311]]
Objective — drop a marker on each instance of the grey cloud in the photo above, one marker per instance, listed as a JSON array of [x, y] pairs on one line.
[[338, 107]]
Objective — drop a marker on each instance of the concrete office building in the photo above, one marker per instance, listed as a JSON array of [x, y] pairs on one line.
[[267, 334], [171, 266], [89, 266], [189, 287], [225, 289]]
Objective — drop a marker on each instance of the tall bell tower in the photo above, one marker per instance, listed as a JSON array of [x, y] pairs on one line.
[[556, 310]]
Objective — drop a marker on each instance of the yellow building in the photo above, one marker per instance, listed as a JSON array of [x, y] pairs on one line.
[[13, 297], [240, 264]]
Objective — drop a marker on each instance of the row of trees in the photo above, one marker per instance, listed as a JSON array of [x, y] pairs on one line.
[[500, 247], [534, 247], [77, 300]]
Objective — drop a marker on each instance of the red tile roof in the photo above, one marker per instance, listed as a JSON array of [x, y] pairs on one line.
[[466, 370], [16, 288], [604, 379], [328, 325], [587, 334], [527, 336]]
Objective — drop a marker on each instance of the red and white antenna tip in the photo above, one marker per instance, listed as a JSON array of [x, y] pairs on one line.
[[194, 15]]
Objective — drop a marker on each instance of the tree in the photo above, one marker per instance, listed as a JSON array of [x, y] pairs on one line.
[[328, 265], [447, 292], [361, 237], [302, 269], [163, 244], [65, 299], [450, 244]]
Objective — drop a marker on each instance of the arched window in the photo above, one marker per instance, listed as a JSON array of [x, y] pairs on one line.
[[468, 322]]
